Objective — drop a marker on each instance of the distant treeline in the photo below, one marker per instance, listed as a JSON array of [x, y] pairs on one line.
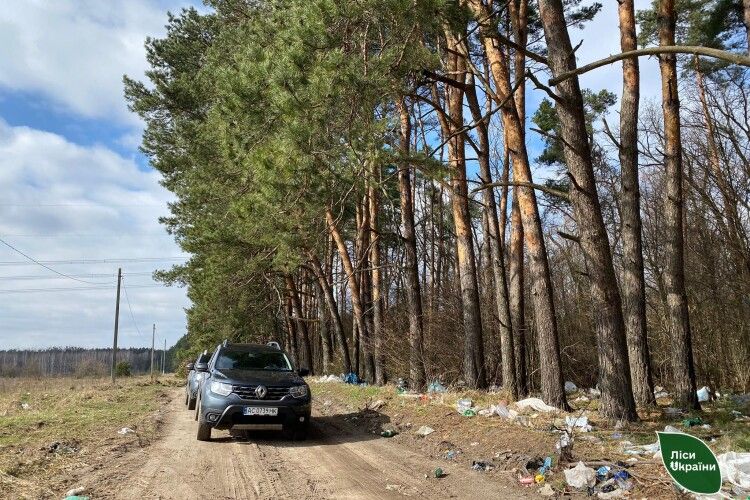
[[76, 361]]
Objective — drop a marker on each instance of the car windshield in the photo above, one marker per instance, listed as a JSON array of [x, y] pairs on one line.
[[249, 360]]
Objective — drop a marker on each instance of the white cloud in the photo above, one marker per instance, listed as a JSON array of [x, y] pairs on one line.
[[59, 200], [75, 52]]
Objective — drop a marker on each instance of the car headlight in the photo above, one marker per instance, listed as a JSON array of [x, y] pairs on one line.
[[221, 388], [298, 391]]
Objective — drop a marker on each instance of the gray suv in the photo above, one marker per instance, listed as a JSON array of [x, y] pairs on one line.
[[249, 387], [193, 379]]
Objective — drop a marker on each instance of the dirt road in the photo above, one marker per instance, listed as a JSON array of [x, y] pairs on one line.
[[340, 459]]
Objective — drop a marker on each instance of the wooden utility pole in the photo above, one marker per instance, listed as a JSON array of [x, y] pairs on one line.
[[117, 324], [153, 338], [164, 357]]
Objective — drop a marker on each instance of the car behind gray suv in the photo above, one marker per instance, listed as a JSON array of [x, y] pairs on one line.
[[193, 379], [252, 387]]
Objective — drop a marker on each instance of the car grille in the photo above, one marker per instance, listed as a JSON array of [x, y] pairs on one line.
[[248, 392]]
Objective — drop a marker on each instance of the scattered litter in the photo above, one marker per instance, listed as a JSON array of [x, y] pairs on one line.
[[401, 386], [58, 447], [388, 433], [672, 412], [463, 405], [580, 476], [646, 449], [481, 466], [547, 491], [125, 430], [704, 394], [690, 422], [603, 472], [610, 494], [469, 412], [594, 392], [565, 446], [539, 478], [76, 491], [326, 379], [581, 423], [26, 406], [581, 399], [546, 465], [526, 480], [376, 405], [735, 468], [351, 378], [535, 404], [425, 431], [669, 428], [436, 386], [451, 454], [617, 435], [570, 387], [705, 426], [438, 473]]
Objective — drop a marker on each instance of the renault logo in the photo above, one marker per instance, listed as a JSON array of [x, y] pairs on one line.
[[261, 391]]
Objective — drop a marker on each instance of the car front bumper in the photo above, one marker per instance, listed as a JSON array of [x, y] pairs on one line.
[[227, 413]]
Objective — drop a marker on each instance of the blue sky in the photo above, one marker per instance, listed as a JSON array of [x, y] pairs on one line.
[[73, 186]]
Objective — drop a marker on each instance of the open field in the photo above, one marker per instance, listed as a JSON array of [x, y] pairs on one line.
[[55, 430]]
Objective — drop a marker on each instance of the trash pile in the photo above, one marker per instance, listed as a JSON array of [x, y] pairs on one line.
[[326, 379], [466, 408], [605, 482]]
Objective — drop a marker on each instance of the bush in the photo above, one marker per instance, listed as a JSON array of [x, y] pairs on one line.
[[122, 369]]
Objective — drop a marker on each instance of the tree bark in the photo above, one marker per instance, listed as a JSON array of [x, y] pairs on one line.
[[375, 276], [305, 360], [683, 369], [496, 248], [614, 374], [346, 262], [333, 311], [633, 281], [413, 293], [473, 369], [552, 383]]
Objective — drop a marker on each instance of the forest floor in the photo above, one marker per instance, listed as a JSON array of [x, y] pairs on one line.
[[344, 457]]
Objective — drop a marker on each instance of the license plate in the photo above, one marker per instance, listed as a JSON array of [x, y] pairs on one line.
[[262, 411]]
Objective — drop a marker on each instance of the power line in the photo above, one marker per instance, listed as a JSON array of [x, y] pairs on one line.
[[95, 261], [90, 275], [127, 299], [46, 266], [72, 289]]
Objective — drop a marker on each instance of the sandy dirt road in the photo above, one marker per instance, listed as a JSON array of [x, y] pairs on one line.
[[339, 460]]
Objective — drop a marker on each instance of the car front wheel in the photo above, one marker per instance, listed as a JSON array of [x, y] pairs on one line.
[[204, 430]]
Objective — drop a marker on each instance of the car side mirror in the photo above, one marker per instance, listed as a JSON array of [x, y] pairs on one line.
[[190, 366], [201, 367], [303, 372]]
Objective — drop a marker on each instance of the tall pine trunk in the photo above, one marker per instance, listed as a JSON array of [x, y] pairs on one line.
[[474, 372], [614, 371], [411, 276], [550, 368], [683, 370], [376, 276], [496, 246], [330, 301], [633, 281], [305, 358]]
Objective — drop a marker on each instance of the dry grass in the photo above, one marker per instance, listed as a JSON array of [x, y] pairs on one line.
[[52, 430]]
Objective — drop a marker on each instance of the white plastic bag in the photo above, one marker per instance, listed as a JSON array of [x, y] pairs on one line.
[[704, 394], [580, 476], [735, 468], [570, 387], [581, 423], [535, 404]]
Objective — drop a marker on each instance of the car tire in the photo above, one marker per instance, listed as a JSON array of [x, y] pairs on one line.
[[204, 429], [191, 403]]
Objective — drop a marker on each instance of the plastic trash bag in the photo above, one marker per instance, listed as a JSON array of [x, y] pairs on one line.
[[436, 386], [580, 476], [704, 394], [463, 404], [581, 423], [351, 378], [570, 387], [535, 404], [735, 468]]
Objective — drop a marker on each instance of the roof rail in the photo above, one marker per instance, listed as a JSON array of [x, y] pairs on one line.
[[225, 342], [274, 344]]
